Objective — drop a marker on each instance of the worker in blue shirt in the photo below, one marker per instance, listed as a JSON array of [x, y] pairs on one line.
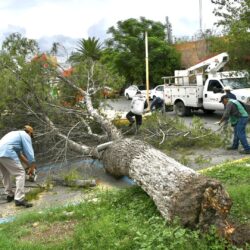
[[157, 104], [16, 146]]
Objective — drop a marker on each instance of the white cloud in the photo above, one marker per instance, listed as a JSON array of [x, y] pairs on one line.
[[83, 18]]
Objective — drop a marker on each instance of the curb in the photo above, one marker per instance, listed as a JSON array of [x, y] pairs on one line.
[[242, 160]]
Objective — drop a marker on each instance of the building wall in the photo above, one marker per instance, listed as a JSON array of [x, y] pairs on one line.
[[193, 52]]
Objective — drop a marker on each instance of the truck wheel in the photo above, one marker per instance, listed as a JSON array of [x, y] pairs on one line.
[[208, 111], [181, 109], [168, 108]]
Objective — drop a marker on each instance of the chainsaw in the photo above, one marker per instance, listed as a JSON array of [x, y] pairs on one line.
[[30, 177]]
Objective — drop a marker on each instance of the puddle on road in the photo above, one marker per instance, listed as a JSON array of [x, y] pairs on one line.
[[59, 195]]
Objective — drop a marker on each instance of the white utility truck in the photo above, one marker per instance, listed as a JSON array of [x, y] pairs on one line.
[[201, 86]]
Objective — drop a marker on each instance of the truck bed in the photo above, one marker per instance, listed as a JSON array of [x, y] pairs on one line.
[[190, 95]]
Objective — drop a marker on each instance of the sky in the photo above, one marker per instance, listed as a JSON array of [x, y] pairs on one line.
[[67, 21]]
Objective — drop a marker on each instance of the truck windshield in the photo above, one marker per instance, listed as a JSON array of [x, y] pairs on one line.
[[236, 83]]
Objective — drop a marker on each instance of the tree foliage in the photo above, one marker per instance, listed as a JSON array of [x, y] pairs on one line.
[[88, 49], [35, 86], [86, 64], [16, 45], [234, 18], [16, 52], [126, 50]]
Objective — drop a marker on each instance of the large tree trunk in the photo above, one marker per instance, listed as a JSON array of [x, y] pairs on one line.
[[176, 190]]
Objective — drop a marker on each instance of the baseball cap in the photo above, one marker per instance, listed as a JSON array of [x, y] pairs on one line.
[[28, 128], [223, 97]]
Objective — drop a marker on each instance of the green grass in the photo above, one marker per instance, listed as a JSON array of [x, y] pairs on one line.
[[236, 178], [124, 219], [34, 193], [202, 160]]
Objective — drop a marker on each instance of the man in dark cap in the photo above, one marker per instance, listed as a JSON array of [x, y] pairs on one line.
[[238, 117], [16, 146]]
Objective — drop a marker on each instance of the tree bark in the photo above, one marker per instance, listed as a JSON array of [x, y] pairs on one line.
[[177, 191]]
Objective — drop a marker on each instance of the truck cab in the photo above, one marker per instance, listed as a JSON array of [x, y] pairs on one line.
[[214, 89]]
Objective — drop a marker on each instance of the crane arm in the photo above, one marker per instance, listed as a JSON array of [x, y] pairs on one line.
[[211, 65]]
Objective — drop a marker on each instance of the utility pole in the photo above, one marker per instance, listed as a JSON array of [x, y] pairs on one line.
[[147, 70], [200, 12], [169, 31]]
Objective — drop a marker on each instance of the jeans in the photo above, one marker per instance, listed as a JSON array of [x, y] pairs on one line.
[[240, 134]]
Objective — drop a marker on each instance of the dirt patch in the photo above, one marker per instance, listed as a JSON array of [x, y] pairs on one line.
[[50, 232]]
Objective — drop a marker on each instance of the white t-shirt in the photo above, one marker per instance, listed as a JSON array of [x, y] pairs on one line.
[[137, 104]]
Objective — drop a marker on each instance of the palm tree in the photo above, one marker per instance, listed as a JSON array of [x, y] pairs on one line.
[[54, 49], [88, 49]]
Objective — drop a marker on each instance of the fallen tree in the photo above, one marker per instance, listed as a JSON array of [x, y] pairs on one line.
[[177, 191]]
